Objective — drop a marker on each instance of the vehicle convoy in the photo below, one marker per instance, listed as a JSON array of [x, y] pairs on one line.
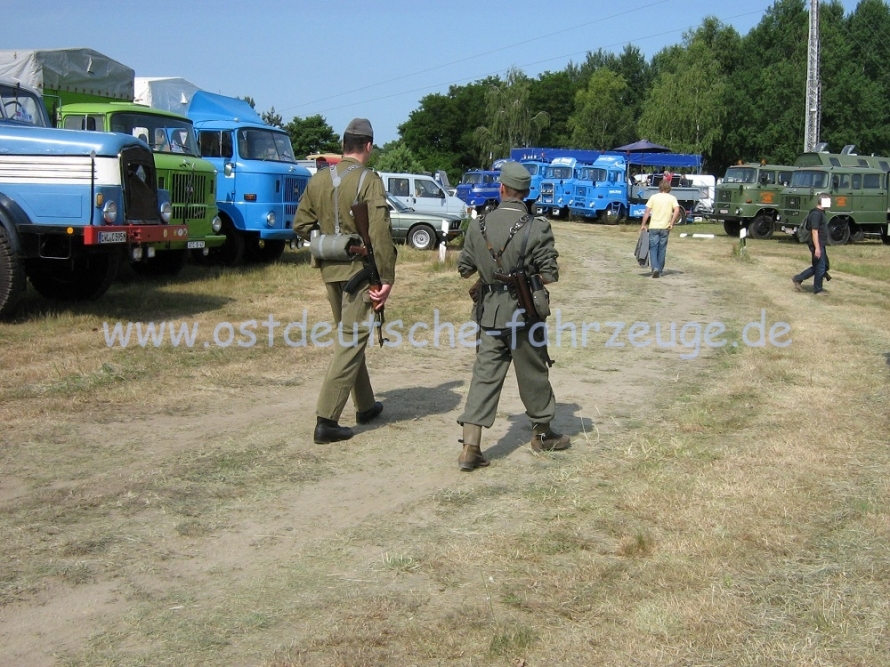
[[748, 198], [423, 231], [558, 187], [423, 193], [190, 180], [259, 182], [860, 201], [73, 204]]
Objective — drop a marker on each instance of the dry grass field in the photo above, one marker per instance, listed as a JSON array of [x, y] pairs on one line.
[[724, 502]]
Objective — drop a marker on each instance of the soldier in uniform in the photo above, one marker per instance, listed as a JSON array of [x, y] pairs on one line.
[[499, 242], [347, 373]]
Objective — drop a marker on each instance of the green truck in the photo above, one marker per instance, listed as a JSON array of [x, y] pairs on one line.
[[748, 198], [85, 90]]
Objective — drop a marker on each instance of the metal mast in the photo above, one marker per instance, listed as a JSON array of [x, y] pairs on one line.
[[814, 101]]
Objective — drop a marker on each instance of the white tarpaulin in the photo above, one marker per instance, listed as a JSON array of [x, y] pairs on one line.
[[170, 93], [69, 70]]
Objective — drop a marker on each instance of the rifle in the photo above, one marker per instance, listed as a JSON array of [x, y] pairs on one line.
[[369, 273], [519, 280]]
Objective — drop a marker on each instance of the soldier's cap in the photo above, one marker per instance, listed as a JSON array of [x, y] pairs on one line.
[[515, 176], [361, 127]]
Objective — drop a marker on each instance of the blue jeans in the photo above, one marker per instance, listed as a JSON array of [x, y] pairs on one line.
[[658, 243], [816, 271]]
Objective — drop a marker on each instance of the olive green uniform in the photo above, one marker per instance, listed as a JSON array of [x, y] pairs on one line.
[[496, 352], [347, 372]]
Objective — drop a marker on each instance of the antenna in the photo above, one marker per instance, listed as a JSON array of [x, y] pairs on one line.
[[813, 97]]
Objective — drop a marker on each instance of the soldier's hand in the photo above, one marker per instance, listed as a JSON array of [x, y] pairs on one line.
[[379, 295]]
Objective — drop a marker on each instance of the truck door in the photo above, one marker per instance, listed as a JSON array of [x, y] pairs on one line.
[[870, 195]]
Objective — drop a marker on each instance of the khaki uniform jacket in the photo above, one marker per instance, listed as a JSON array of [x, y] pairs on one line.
[[540, 257], [317, 206]]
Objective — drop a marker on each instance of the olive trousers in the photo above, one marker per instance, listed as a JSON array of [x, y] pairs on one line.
[[493, 359], [347, 373]]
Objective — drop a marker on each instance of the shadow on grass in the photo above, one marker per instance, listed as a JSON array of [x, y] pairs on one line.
[[567, 421], [409, 403]]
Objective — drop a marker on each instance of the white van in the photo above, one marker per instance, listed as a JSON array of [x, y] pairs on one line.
[[423, 194]]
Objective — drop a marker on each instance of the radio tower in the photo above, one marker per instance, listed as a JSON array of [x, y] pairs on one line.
[[813, 110]]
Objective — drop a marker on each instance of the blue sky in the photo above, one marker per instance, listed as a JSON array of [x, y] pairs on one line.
[[346, 59]]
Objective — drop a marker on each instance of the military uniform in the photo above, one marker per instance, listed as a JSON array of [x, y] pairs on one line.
[[502, 343], [347, 372]]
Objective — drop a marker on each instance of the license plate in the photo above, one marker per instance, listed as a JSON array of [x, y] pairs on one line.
[[112, 237], [196, 244], [724, 211]]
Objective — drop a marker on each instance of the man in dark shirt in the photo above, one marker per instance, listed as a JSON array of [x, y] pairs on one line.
[[817, 224]]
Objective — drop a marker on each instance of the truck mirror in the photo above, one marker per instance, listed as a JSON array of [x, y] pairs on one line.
[[228, 169]]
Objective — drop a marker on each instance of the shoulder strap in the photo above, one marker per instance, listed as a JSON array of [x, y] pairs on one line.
[[336, 179], [496, 255], [528, 232]]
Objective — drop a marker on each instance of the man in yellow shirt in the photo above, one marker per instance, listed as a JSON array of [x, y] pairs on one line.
[[662, 212]]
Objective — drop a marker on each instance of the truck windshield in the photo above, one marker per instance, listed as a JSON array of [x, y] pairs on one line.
[[533, 169], [740, 175], [473, 179], [164, 134], [591, 174], [809, 179], [260, 144], [559, 172], [21, 106]]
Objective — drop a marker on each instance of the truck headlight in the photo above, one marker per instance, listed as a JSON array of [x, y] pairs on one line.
[[270, 219], [166, 212], [216, 225], [109, 212]]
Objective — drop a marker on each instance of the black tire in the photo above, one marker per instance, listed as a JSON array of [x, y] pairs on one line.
[[760, 228], [230, 253], [838, 231], [164, 263], [422, 237], [269, 253], [12, 275], [885, 237], [732, 228], [85, 278]]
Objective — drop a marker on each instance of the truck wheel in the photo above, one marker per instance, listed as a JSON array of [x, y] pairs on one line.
[[838, 231], [12, 276], [269, 253], [83, 279], [885, 237], [760, 228], [732, 228], [231, 252], [422, 237], [165, 263]]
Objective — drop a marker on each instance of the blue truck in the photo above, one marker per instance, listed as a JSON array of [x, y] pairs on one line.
[[480, 188], [558, 187], [73, 204]]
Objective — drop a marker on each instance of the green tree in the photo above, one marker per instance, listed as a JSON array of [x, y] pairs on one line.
[[509, 121], [555, 93], [602, 120], [396, 157], [272, 118], [312, 135]]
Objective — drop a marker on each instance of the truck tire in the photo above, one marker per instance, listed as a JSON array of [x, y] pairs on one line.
[[229, 253], [12, 276], [760, 228], [269, 253], [885, 237], [165, 263], [838, 231], [422, 237], [88, 278], [732, 228]]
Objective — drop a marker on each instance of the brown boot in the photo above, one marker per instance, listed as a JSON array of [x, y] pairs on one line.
[[546, 440], [471, 456]]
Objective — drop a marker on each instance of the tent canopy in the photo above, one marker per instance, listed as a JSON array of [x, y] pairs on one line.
[[643, 146]]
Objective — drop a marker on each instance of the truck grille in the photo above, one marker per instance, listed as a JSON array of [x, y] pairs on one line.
[[294, 187], [187, 196], [723, 197], [792, 202], [547, 189], [581, 191], [140, 185]]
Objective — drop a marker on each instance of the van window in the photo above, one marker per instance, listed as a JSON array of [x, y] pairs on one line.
[[425, 188], [857, 181], [398, 187], [871, 181]]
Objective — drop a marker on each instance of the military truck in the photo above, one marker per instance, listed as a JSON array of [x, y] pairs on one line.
[[190, 179], [73, 204], [748, 197]]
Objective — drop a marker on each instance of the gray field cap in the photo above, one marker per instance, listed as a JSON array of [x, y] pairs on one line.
[[515, 176], [360, 127]]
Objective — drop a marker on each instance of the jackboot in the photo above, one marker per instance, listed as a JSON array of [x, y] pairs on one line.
[[544, 439], [327, 431], [471, 456]]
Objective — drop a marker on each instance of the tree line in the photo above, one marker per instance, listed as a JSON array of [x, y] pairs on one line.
[[727, 96]]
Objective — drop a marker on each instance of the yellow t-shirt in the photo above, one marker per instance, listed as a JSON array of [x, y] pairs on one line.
[[661, 207]]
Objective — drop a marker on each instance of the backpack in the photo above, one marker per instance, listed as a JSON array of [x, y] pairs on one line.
[[803, 229]]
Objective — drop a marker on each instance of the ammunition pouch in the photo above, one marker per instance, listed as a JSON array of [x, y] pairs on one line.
[[540, 296], [334, 247]]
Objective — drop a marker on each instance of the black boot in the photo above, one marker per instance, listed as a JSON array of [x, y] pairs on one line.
[[327, 430]]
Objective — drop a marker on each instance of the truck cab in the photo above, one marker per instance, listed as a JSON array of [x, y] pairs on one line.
[[557, 188], [600, 191], [481, 188], [190, 179], [536, 169], [748, 197], [259, 182]]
